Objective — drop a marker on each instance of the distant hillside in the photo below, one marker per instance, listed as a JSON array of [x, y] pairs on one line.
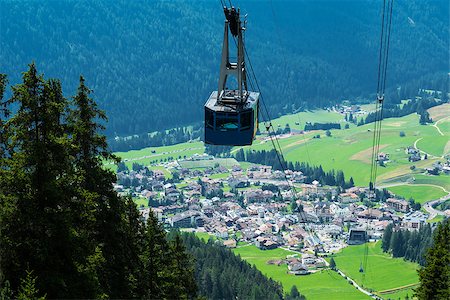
[[153, 63]]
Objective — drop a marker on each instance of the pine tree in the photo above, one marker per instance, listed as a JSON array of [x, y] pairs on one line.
[[38, 228], [60, 217], [386, 242], [295, 294], [435, 276], [183, 283], [332, 264]]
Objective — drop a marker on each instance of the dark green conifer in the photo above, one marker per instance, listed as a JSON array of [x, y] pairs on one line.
[[435, 276]]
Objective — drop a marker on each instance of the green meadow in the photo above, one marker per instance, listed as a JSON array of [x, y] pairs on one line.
[[420, 193], [201, 164], [440, 180], [349, 150], [146, 155], [382, 272], [324, 284], [297, 121]]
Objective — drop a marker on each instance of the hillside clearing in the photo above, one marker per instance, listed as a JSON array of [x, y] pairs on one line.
[[317, 286]]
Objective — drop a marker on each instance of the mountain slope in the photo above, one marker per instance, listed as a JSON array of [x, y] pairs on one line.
[[153, 63]]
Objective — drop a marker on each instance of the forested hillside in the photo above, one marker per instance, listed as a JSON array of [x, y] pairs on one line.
[[222, 275], [65, 233], [153, 63]]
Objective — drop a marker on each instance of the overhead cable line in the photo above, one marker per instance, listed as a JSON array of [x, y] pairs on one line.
[[383, 55]]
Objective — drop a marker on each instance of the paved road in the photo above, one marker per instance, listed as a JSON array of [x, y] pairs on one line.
[[435, 125], [357, 286], [428, 206]]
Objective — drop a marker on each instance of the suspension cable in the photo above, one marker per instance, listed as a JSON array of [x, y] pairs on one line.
[[386, 24]]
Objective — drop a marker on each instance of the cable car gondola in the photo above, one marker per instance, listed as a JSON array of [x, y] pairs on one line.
[[231, 115]]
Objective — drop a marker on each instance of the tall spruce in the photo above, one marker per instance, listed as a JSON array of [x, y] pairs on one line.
[[385, 244], [4, 113], [60, 218], [113, 226], [435, 276], [37, 229]]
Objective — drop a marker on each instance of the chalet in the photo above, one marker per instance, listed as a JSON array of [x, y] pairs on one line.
[[249, 234], [397, 204], [260, 172], [414, 220], [348, 198], [414, 154], [208, 211], [185, 219], [258, 196], [308, 259], [322, 210], [298, 269], [234, 182], [236, 168], [221, 232], [265, 243], [369, 213], [158, 175], [230, 243], [383, 156], [304, 217]]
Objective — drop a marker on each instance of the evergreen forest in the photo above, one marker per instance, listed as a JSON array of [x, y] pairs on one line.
[[152, 64]]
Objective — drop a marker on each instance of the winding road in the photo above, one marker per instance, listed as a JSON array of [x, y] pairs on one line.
[[437, 122]]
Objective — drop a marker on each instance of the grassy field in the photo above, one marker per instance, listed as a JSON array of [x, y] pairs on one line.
[[205, 236], [436, 219], [441, 180], [145, 156], [321, 285], [355, 146], [420, 193], [297, 121], [140, 201], [434, 145], [200, 164], [382, 273]]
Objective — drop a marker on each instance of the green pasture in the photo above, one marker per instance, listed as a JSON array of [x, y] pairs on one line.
[[219, 176], [420, 193], [205, 236], [145, 156], [401, 294], [434, 145], [350, 149], [444, 126], [140, 201], [182, 147], [324, 284], [382, 272], [316, 116], [438, 218], [441, 180], [210, 163]]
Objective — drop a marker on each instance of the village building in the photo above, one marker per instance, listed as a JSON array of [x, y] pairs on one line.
[[414, 220], [397, 204], [230, 243], [298, 269], [357, 237], [186, 219], [348, 197]]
